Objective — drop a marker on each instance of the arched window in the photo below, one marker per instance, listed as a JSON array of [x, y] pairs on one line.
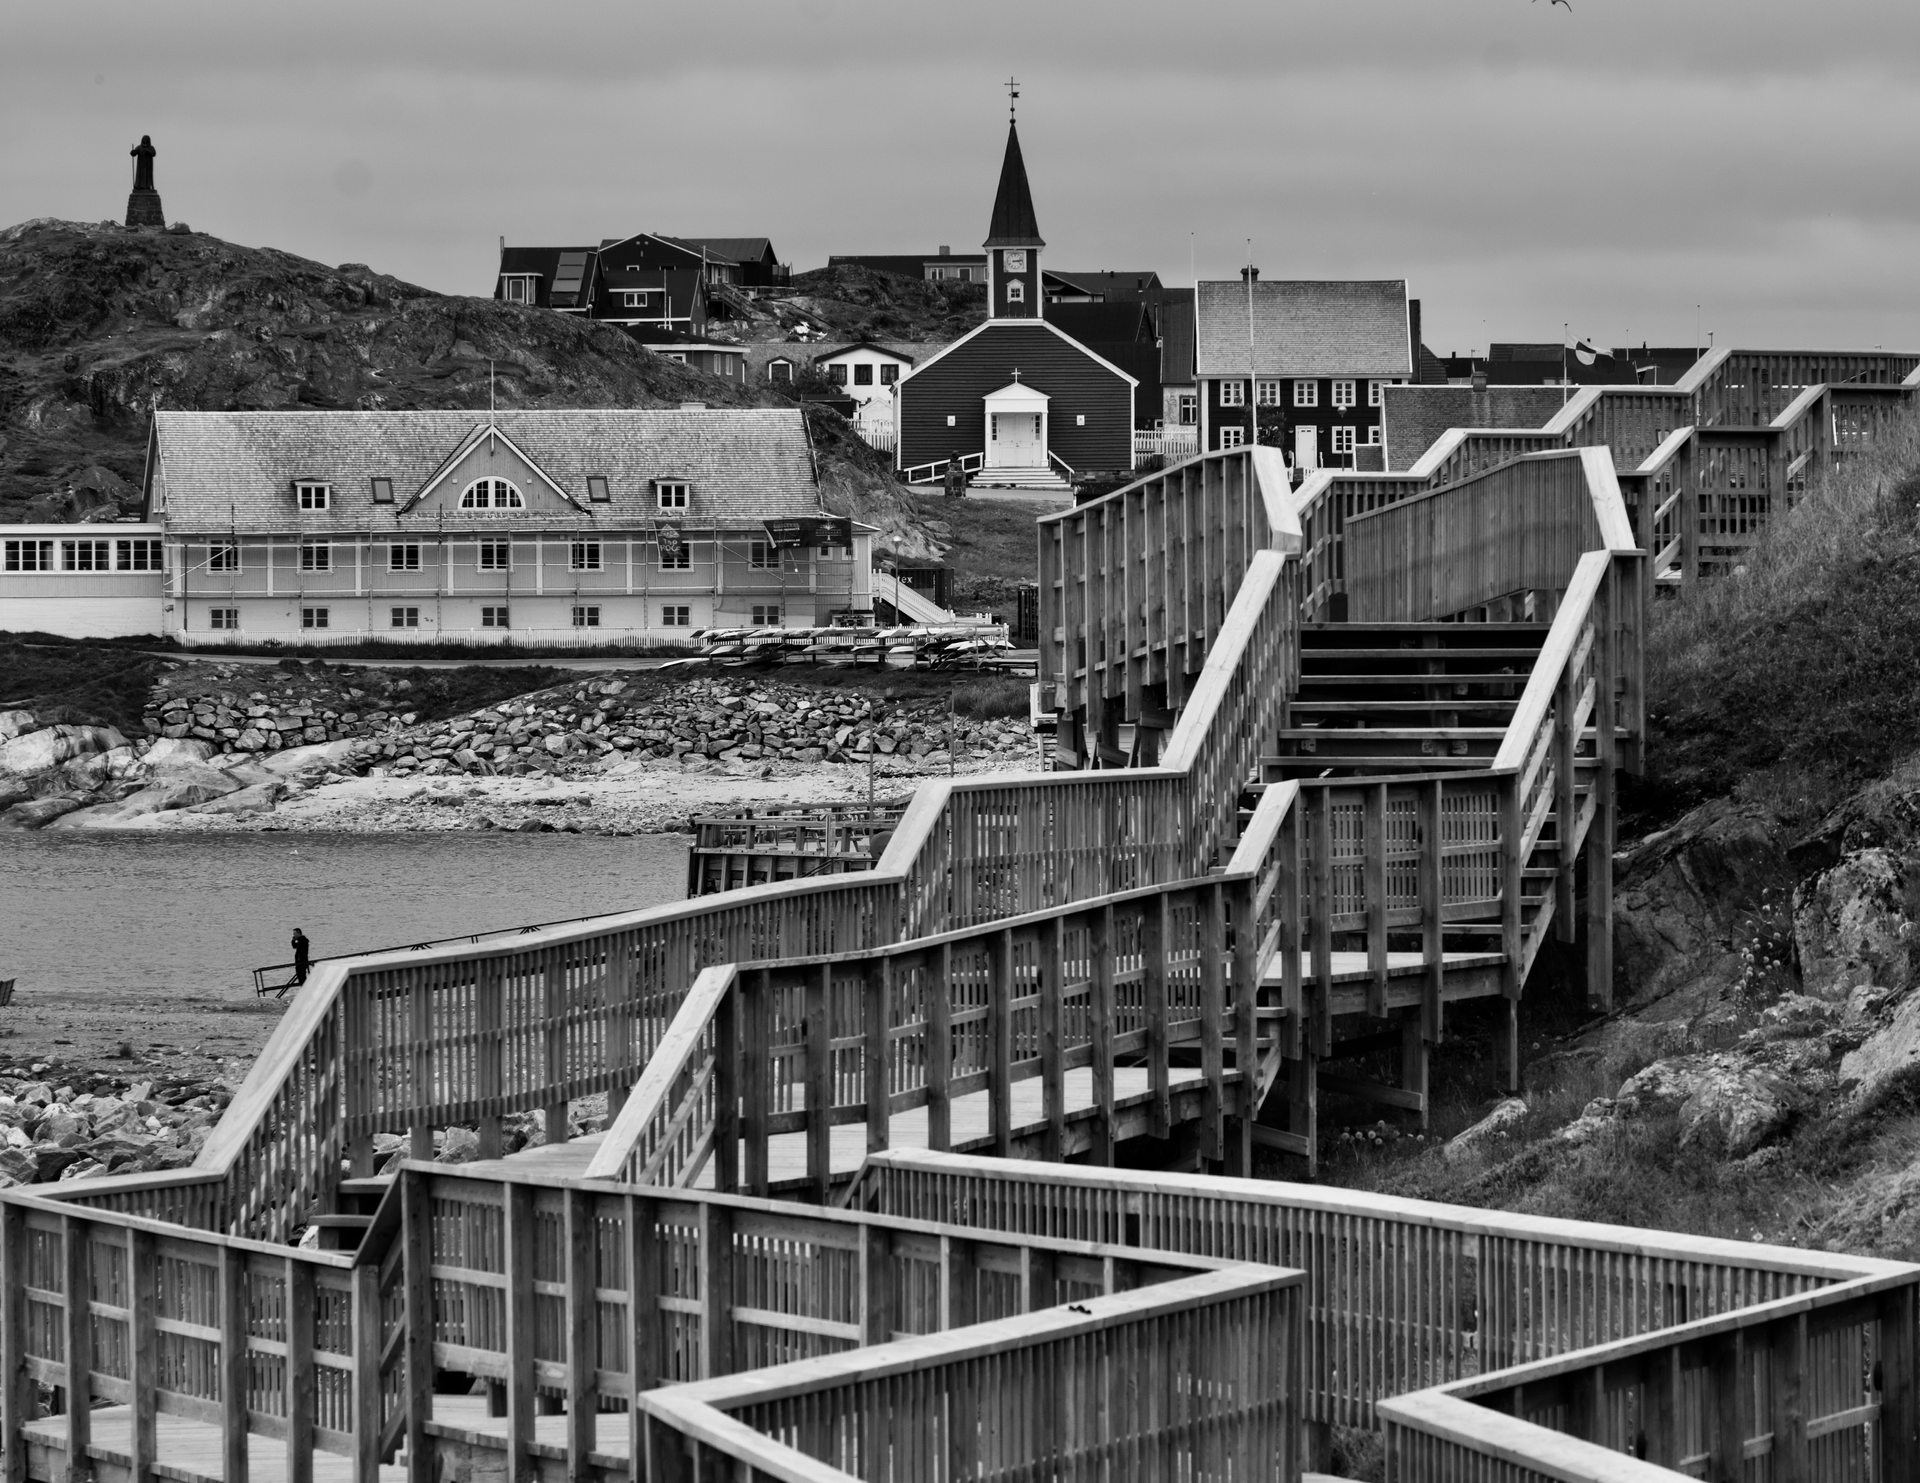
[[491, 494], [1016, 291]]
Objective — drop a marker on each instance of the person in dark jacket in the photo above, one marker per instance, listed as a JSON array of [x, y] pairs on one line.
[[302, 956], [956, 476]]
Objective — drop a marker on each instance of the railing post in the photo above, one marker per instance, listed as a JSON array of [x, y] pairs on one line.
[[876, 994], [1211, 902], [716, 1290], [367, 1343], [1100, 1027], [1787, 1356], [1433, 912], [819, 1098], [1661, 1412], [1729, 1379], [1599, 848], [553, 978], [301, 1381], [959, 1307], [876, 1284], [1000, 1043], [643, 1315], [582, 1328], [1245, 1011], [488, 1085], [1053, 1073], [78, 1348], [518, 1224], [1512, 865], [1374, 847], [1321, 845], [1566, 825], [420, 1060], [756, 1071], [236, 1369], [143, 1351], [1153, 982], [939, 972], [725, 1039], [17, 1389], [1899, 1404]]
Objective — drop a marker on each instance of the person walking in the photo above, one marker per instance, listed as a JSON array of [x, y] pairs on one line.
[[956, 476], [302, 957]]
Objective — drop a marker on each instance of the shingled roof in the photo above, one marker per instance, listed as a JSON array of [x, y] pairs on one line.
[[1341, 327], [1013, 222], [218, 471]]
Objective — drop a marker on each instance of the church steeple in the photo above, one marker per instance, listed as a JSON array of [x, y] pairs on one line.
[[1013, 240]]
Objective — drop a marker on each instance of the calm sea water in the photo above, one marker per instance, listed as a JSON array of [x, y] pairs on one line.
[[140, 913]]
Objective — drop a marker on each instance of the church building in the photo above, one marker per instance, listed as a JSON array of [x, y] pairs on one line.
[[1019, 400]]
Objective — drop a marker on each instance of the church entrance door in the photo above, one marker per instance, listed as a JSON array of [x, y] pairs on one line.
[[1016, 428]]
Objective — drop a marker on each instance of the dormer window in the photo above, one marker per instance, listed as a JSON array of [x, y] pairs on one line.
[[634, 300], [312, 495], [1016, 292], [491, 494], [597, 492], [672, 494]]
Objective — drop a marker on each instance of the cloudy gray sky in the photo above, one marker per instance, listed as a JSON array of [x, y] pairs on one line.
[[1521, 164]]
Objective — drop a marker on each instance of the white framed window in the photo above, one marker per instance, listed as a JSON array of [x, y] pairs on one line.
[[316, 556], [1266, 393], [86, 556], [403, 556], [863, 375], [313, 617], [1306, 393], [496, 556], [586, 617], [633, 300], [1232, 437], [672, 494], [312, 494], [405, 617], [597, 491], [780, 370], [1189, 404], [137, 556], [493, 617], [227, 619], [1372, 439], [837, 374], [223, 556], [763, 556], [836, 553], [1016, 291], [1233, 393], [1376, 394], [676, 558], [1343, 395], [766, 617], [491, 494], [889, 375], [676, 615], [519, 288], [1017, 261], [583, 556], [676, 357], [1343, 440]]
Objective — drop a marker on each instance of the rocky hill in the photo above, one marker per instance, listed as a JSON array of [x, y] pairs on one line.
[[851, 303], [100, 324]]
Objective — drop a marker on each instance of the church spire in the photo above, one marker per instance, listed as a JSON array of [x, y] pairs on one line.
[[1013, 222]]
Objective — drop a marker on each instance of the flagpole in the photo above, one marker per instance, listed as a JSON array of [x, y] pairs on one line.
[[1253, 384], [1564, 330]]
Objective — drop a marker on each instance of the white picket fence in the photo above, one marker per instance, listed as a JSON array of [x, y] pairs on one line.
[[878, 435], [1170, 444]]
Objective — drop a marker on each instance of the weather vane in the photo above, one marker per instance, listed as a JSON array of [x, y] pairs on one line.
[[1013, 96]]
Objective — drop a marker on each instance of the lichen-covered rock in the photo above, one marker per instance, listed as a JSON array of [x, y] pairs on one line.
[[1853, 924], [1486, 1134], [1738, 1107]]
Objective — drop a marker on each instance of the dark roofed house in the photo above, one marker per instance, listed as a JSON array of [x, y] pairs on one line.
[[1306, 361], [572, 526], [559, 278], [1108, 286], [943, 266]]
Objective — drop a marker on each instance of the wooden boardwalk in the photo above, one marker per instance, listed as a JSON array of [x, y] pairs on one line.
[[188, 1450]]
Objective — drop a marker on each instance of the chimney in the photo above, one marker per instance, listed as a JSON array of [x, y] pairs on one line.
[[1413, 337], [1479, 378], [1250, 273], [945, 251]]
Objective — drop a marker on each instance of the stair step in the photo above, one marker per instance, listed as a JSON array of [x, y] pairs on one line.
[[1399, 707], [341, 1222], [1443, 630], [1407, 764], [1394, 733], [1415, 654], [1323, 681]]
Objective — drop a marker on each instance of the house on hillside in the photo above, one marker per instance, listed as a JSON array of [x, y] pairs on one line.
[[649, 284], [1105, 287], [1019, 400], [1303, 362], [943, 266], [866, 371], [575, 527], [716, 358]]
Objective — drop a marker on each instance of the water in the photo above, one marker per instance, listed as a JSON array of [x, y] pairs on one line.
[[140, 917]]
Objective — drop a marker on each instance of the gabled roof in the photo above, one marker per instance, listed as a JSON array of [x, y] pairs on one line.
[[1013, 223], [1103, 324], [483, 432], [219, 471], [873, 345], [733, 249], [1176, 342], [1302, 327], [1017, 326], [705, 248], [1108, 280]]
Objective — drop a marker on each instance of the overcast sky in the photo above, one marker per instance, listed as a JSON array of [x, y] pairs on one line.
[[1519, 163]]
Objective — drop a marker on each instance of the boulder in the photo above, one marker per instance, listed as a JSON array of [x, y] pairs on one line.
[[1853, 924], [1737, 1108], [1888, 1050], [173, 791], [296, 759], [1491, 1129], [17, 1166], [170, 750], [40, 751], [16, 723], [38, 813], [246, 801]]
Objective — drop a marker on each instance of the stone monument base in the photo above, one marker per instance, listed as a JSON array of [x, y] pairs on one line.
[[143, 210]]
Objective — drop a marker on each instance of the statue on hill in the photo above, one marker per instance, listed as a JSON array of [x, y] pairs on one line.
[[143, 206]]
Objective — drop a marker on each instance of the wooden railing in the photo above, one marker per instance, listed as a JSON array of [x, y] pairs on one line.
[[1405, 1295], [594, 1294], [1193, 1379], [786, 843], [242, 1339]]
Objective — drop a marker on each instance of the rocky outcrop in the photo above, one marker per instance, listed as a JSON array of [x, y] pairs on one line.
[[53, 1129]]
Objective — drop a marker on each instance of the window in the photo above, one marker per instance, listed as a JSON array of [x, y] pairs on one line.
[[493, 617], [633, 301], [383, 491], [583, 556], [597, 491], [836, 553], [1343, 396], [403, 557], [1372, 439], [837, 374], [137, 556], [863, 375], [586, 617], [676, 615], [223, 557], [1233, 393], [224, 618], [313, 617], [313, 496], [677, 357], [1189, 408], [767, 617], [1232, 437], [491, 494], [1080, 419], [1343, 440], [763, 556], [519, 289], [678, 558], [86, 556], [889, 375], [405, 617], [1375, 393], [780, 370], [496, 556], [1306, 393], [29, 556], [671, 495], [1016, 291], [950, 419], [1016, 262], [1266, 393], [316, 556]]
